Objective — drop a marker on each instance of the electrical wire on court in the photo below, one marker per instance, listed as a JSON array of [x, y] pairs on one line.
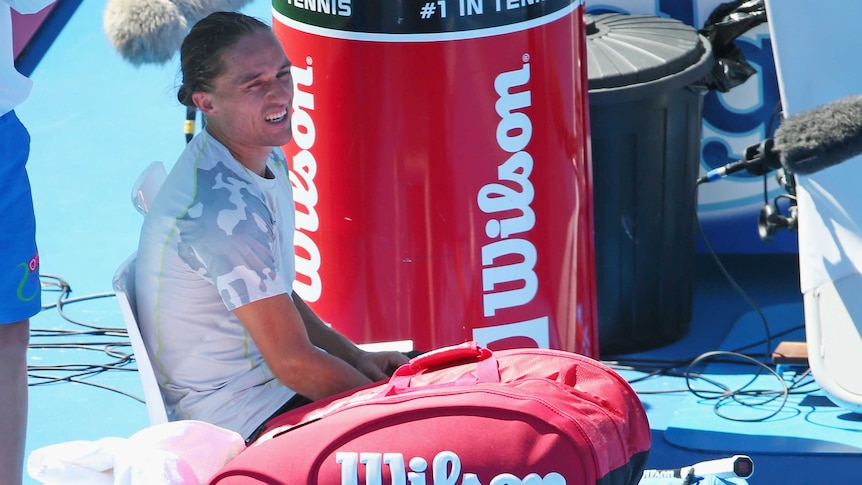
[[112, 343]]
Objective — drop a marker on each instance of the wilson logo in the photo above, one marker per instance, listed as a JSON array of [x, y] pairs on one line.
[[508, 263], [303, 170], [445, 469]]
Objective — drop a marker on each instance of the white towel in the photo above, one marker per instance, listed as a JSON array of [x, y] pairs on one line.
[[176, 453]]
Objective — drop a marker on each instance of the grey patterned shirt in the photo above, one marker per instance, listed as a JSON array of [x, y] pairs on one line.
[[216, 237]]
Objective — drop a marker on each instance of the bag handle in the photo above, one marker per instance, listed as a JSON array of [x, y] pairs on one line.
[[487, 369]]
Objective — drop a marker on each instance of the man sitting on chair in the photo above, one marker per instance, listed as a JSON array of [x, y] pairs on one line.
[[233, 345]]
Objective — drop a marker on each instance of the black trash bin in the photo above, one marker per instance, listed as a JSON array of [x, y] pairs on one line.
[[645, 124]]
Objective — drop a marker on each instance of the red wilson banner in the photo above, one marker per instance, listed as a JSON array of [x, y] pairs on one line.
[[441, 170]]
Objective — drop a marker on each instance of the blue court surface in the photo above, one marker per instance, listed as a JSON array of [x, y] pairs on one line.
[[97, 121]]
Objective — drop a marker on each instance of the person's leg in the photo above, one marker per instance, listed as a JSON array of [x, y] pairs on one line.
[[13, 400], [20, 293]]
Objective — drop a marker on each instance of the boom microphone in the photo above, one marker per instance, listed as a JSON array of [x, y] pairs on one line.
[[804, 143], [152, 31], [821, 137]]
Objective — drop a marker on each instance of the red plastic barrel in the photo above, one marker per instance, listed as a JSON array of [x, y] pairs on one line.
[[441, 170]]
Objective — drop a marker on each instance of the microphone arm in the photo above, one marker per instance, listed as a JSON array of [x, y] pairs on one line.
[[763, 158], [758, 159]]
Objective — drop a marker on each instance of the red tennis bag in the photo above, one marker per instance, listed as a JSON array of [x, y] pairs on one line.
[[462, 415]]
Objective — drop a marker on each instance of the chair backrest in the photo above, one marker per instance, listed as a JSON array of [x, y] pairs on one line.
[[144, 191], [124, 287], [147, 186]]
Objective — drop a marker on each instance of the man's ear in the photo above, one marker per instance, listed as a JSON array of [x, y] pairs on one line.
[[203, 101]]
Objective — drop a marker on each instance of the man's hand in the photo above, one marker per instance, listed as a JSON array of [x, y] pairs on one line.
[[379, 365]]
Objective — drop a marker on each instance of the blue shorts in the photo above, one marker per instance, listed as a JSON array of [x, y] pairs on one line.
[[20, 288]]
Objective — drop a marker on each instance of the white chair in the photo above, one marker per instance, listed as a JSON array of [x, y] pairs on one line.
[[124, 287], [144, 191], [147, 186]]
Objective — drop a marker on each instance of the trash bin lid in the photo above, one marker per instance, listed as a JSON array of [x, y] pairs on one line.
[[632, 51]]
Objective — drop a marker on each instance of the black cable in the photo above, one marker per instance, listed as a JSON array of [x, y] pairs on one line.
[[745, 296], [117, 350], [774, 336], [724, 394], [736, 394], [73, 379], [63, 299]]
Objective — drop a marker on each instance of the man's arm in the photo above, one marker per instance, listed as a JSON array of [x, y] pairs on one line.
[[279, 332], [375, 365], [324, 336]]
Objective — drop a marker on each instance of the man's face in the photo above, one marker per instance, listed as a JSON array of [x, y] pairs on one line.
[[251, 100]]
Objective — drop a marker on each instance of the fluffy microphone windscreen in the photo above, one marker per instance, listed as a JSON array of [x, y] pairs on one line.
[[821, 137], [145, 31], [152, 31]]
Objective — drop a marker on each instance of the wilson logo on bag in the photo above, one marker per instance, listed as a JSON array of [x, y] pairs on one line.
[[445, 469]]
